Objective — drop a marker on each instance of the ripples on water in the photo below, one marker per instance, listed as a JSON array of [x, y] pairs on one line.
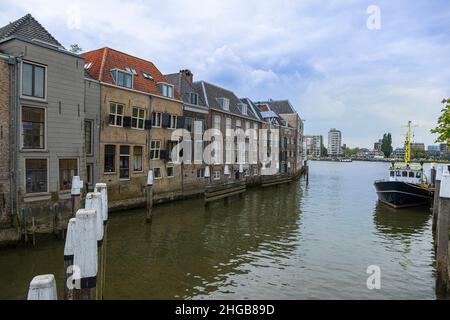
[[287, 242]]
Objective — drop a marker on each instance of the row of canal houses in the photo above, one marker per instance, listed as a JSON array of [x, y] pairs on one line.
[[108, 116]]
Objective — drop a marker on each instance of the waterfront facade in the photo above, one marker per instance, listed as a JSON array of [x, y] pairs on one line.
[[135, 97], [48, 144], [334, 143], [5, 185], [195, 119], [228, 112]]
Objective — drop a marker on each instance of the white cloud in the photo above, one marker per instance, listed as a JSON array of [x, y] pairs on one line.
[[317, 53]]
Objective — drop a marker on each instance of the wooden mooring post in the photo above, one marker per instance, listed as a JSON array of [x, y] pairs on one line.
[[68, 260], [94, 201], [442, 236], [43, 287], [437, 187], [103, 190], [149, 196], [85, 255]]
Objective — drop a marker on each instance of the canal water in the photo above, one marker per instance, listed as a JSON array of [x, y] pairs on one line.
[[293, 241]]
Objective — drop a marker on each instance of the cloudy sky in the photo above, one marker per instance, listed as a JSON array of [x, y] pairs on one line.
[[318, 54]]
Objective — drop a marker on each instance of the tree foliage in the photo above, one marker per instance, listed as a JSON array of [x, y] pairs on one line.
[[443, 123], [349, 152], [75, 48], [386, 145], [323, 151]]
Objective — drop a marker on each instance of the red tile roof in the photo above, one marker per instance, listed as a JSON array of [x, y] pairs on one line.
[[105, 59]]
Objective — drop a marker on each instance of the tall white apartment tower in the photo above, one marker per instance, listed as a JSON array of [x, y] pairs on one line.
[[334, 142]]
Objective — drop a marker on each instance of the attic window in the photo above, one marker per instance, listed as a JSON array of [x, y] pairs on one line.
[[166, 89], [131, 70], [147, 75], [122, 78], [243, 108], [224, 103], [193, 98], [87, 65]]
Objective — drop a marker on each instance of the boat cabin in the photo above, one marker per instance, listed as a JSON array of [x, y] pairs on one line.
[[408, 173]]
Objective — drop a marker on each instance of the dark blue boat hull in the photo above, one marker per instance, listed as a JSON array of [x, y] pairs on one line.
[[399, 194]]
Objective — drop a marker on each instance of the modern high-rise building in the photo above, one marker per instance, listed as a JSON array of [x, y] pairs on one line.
[[334, 142]]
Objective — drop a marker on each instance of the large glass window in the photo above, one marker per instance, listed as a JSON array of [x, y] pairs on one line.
[[36, 175], [88, 138], [137, 119], [155, 149], [193, 98], [216, 123], [33, 81], [137, 162], [68, 168], [173, 122], [124, 170], [33, 128], [115, 114], [110, 158], [166, 90]]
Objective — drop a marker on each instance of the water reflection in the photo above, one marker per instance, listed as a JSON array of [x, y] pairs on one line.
[[190, 250]]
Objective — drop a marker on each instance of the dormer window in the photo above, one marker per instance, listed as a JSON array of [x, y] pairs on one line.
[[224, 103], [87, 65], [122, 78], [166, 89], [193, 98], [243, 108]]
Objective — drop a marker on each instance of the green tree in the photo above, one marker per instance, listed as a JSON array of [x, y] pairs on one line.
[[443, 123], [386, 145], [417, 153], [323, 151], [349, 152], [75, 48]]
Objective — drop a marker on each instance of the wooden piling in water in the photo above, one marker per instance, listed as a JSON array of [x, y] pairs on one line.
[[94, 201], [442, 252], [103, 190], [43, 287], [437, 188], [68, 260], [85, 255], [149, 196]]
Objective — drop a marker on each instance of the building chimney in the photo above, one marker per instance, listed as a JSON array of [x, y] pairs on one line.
[[188, 74]]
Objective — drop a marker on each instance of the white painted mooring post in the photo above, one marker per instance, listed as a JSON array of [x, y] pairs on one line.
[[75, 192], [149, 196], [68, 259], [442, 253], [43, 287], [85, 255], [94, 201], [437, 187], [102, 188]]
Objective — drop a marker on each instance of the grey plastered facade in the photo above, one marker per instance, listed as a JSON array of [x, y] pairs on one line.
[[64, 123], [92, 101]]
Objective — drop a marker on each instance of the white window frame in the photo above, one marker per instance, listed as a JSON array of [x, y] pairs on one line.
[[138, 118], [192, 94], [115, 114], [45, 81], [214, 121], [202, 176], [159, 149], [215, 176], [158, 116], [142, 155], [240, 123], [224, 103], [244, 109], [164, 89], [129, 163], [45, 129], [25, 177]]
